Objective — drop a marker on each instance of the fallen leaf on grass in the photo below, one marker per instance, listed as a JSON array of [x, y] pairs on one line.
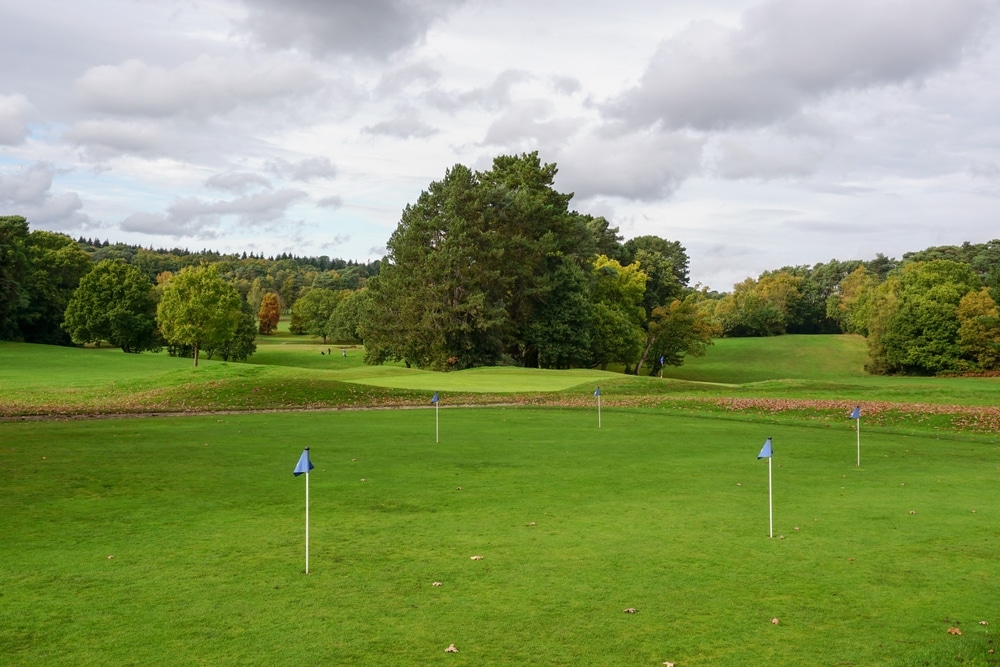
[[436, 583], [451, 649], [475, 557], [954, 631], [775, 621], [630, 610]]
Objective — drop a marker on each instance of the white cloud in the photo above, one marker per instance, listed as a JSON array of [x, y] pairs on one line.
[[28, 192], [14, 113]]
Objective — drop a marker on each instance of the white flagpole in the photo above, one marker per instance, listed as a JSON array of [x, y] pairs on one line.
[[770, 500], [437, 423], [598, 411], [307, 522], [859, 440]]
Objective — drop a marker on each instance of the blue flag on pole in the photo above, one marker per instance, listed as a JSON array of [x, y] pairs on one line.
[[304, 464], [661, 360], [597, 392], [765, 452], [435, 399], [856, 414]]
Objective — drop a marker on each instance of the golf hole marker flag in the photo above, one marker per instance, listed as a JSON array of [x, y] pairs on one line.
[[856, 414], [437, 430], [597, 393], [766, 453], [303, 467]]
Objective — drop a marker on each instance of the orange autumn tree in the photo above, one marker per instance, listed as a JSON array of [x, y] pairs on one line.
[[269, 313]]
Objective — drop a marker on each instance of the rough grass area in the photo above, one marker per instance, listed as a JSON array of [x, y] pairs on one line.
[[180, 541]]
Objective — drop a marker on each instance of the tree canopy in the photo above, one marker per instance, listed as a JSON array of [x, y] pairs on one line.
[[200, 310], [114, 303]]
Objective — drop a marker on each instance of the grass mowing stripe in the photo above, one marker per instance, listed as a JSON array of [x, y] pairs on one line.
[[663, 513]]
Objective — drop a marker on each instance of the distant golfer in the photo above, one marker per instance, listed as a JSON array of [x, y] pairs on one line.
[[343, 351]]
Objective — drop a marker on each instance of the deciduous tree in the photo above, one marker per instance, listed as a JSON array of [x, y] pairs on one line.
[[114, 303], [269, 313], [199, 309]]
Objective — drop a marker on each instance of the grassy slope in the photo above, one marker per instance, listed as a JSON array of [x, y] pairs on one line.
[[664, 514], [46, 380]]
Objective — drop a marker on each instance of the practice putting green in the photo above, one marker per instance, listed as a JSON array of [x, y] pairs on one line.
[[180, 541]]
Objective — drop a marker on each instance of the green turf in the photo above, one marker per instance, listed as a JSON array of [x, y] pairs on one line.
[[664, 514], [743, 360]]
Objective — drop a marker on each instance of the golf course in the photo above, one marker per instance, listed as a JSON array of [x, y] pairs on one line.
[[150, 515]]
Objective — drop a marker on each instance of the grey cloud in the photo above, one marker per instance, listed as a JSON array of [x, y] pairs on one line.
[[765, 155], [371, 28], [201, 87], [304, 170], [643, 165], [566, 85], [396, 81], [788, 53], [333, 201], [525, 121], [28, 192], [237, 181], [494, 96], [191, 216], [404, 127], [377, 251], [14, 113]]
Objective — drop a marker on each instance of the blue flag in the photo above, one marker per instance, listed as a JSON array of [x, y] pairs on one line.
[[304, 464], [856, 414], [661, 361], [597, 392], [435, 399], [765, 452]]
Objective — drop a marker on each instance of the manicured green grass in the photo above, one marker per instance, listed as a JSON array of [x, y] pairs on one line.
[[664, 514], [743, 360]]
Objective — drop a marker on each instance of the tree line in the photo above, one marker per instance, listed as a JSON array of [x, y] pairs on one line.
[[494, 267]]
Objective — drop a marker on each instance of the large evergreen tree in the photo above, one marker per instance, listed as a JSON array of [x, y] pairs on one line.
[[473, 263]]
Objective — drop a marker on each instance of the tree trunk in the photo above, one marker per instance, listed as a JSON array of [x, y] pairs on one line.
[[642, 359], [196, 355]]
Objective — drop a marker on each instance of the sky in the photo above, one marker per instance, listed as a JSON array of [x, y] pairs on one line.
[[757, 134]]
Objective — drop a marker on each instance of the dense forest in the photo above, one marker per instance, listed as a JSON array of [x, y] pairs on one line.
[[493, 267]]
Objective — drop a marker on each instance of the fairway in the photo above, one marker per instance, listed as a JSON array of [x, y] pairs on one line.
[[180, 541]]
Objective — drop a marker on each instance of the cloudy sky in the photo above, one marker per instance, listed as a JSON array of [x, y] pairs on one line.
[[758, 134]]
